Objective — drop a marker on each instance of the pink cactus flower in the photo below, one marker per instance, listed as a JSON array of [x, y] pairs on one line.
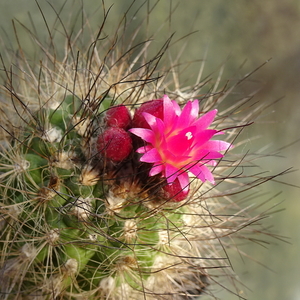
[[180, 142]]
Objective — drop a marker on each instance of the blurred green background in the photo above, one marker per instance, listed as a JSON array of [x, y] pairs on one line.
[[239, 35]]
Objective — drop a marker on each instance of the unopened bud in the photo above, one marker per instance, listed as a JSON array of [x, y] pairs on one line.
[[174, 191], [115, 144], [153, 107], [118, 116]]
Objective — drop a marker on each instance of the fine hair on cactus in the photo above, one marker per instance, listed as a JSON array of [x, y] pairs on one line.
[[116, 181]]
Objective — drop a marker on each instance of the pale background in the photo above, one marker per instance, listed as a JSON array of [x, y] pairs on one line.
[[241, 35]]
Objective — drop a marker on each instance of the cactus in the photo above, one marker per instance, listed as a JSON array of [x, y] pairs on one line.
[[84, 215]]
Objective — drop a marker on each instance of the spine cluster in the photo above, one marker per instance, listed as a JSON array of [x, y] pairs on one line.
[[109, 189]]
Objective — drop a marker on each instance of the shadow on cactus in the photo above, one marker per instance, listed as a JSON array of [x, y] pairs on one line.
[[109, 189]]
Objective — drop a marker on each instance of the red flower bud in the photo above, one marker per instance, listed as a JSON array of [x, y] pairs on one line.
[[118, 116], [115, 144], [153, 107], [174, 191]]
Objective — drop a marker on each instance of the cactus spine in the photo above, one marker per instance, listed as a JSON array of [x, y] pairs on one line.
[[82, 221]]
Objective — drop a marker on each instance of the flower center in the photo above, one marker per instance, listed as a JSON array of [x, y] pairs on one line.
[[189, 135]]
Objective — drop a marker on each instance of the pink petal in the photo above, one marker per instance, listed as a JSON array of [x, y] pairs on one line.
[[204, 136], [189, 114], [151, 156], [202, 172], [176, 108], [146, 134], [150, 119], [178, 160], [169, 114], [195, 109], [185, 119], [212, 163], [144, 149], [160, 126], [197, 171], [156, 169], [171, 173], [207, 173], [205, 154], [184, 181], [217, 145], [205, 120], [156, 124]]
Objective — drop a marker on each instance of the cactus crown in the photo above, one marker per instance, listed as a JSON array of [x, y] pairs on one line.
[[81, 218]]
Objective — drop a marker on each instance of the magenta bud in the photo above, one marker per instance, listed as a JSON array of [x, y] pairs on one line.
[[153, 107], [118, 116], [115, 144], [174, 191]]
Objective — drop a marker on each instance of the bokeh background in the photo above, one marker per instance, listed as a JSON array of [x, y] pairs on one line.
[[238, 36]]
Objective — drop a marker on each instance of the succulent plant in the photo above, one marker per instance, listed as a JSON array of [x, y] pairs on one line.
[[88, 210]]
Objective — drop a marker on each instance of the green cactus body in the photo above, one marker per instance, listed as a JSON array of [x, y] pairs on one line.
[[82, 237]]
